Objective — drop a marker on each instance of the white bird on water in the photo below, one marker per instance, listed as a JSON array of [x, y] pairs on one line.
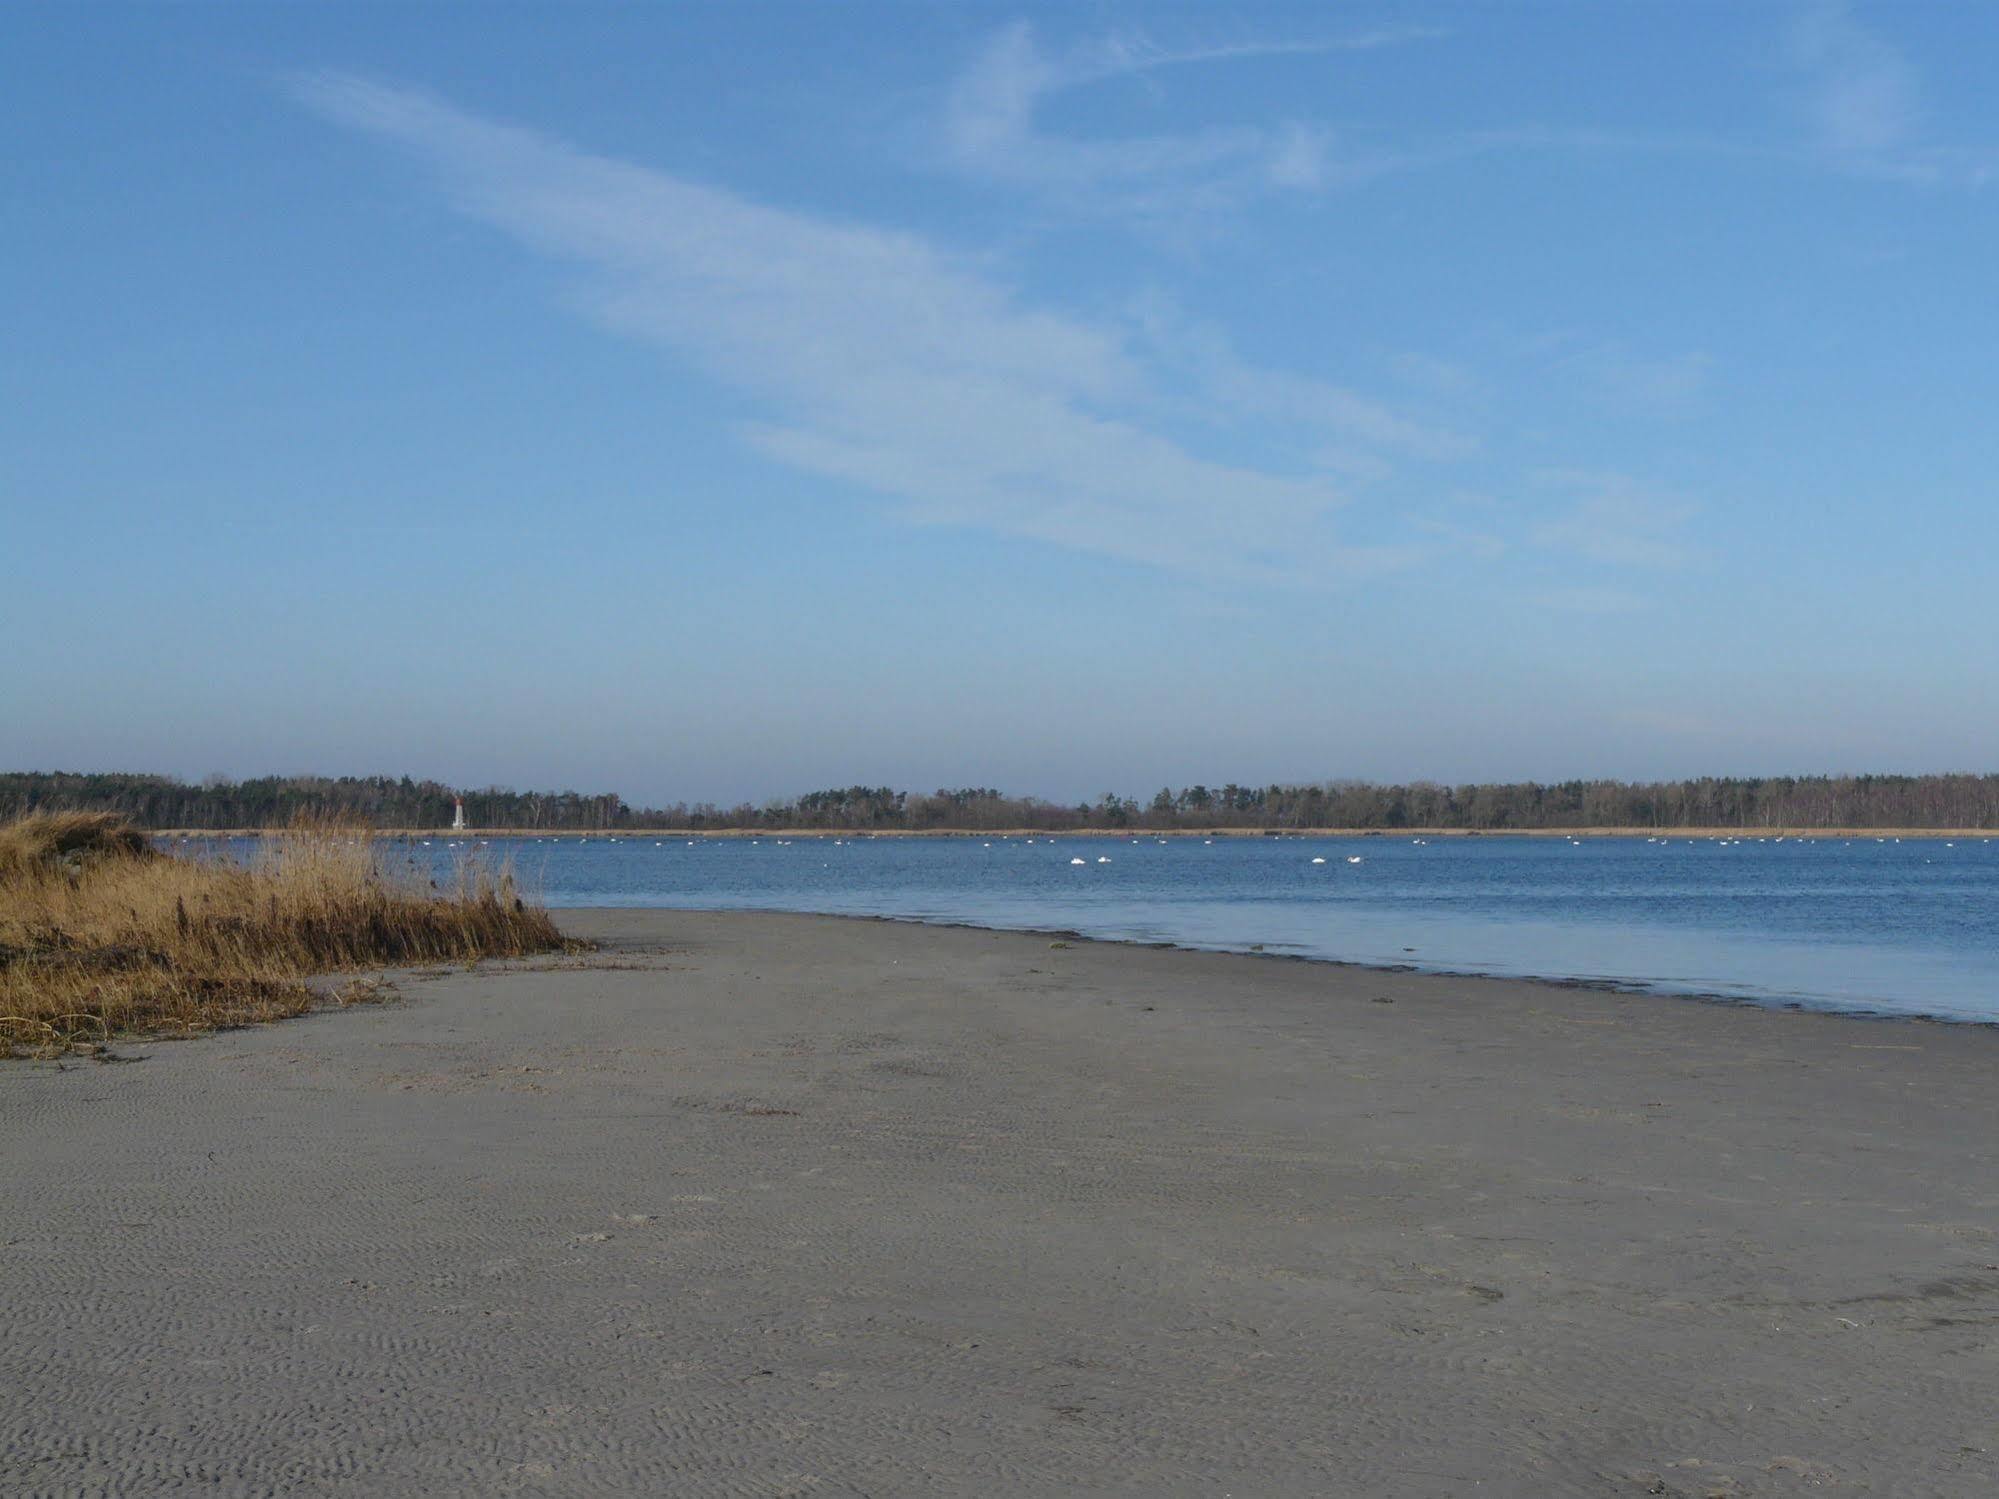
[[1103, 858], [1075, 861], [1318, 861], [1353, 858]]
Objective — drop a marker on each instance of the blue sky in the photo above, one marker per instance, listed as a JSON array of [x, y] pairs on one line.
[[716, 402]]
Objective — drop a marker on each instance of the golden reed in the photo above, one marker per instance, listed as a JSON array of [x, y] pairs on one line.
[[102, 935]]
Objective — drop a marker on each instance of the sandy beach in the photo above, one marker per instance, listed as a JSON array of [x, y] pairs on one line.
[[781, 1205]]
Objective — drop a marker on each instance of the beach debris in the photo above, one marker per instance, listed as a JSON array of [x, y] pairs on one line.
[[1058, 944], [372, 989]]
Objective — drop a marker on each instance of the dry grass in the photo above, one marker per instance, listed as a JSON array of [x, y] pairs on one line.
[[66, 838], [101, 935]]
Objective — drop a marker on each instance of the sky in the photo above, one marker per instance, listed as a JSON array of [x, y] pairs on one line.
[[716, 402]]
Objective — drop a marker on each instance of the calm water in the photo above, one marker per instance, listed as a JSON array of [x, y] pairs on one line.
[[1908, 927]]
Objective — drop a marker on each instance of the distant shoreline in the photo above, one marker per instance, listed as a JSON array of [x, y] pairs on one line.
[[1956, 804], [609, 834]]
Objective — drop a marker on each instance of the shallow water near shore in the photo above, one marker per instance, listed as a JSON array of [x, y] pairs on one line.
[[1895, 927]]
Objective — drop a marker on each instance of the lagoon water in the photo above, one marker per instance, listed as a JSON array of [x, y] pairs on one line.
[[1905, 927]]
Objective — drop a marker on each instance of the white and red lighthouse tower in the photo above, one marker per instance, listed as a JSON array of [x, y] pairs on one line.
[[457, 814]]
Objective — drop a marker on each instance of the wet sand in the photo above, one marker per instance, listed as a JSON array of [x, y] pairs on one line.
[[785, 1205]]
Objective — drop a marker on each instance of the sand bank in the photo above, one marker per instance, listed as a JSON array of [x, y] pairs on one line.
[[795, 1205]]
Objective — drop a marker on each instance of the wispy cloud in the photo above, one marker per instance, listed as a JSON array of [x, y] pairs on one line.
[[1668, 385], [1616, 519], [1613, 375], [992, 127], [1865, 98], [1864, 101], [890, 364], [1320, 415], [1866, 106]]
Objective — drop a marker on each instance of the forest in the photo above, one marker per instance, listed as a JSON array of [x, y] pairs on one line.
[[1839, 801]]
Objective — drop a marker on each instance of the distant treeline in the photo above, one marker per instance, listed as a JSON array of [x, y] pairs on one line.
[[1930, 801]]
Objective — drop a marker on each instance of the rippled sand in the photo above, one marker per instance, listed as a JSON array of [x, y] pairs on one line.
[[793, 1205]]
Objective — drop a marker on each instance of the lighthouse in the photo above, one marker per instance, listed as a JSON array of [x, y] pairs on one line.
[[457, 814]]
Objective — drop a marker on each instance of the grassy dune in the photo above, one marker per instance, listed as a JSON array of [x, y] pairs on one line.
[[102, 935]]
